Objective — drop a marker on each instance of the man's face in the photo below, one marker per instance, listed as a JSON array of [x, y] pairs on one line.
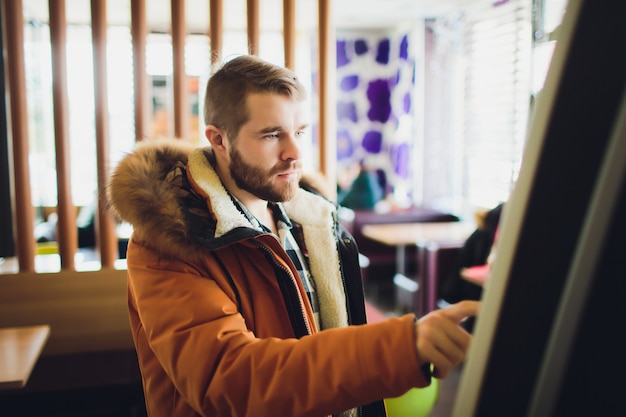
[[265, 157]]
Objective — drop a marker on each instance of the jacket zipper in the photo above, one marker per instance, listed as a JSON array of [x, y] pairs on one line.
[[295, 285], [293, 282]]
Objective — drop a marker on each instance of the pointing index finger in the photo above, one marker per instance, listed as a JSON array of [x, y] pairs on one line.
[[461, 310]]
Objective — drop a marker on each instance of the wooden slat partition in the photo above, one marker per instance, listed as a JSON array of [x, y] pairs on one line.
[[253, 26], [327, 86], [13, 17], [67, 237], [139, 31], [7, 216], [181, 102], [289, 33], [105, 226], [16, 81], [216, 32]]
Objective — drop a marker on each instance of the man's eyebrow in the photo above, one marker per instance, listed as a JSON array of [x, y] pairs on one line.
[[271, 129]]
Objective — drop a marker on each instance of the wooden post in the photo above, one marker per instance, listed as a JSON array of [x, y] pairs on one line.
[[181, 102], [327, 86], [139, 31], [289, 33], [16, 81], [253, 27], [67, 233], [105, 226], [216, 32]]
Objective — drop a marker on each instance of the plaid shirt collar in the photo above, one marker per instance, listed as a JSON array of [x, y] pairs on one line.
[[278, 211]]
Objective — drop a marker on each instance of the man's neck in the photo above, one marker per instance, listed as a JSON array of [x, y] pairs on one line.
[[256, 206], [267, 218], [259, 208]]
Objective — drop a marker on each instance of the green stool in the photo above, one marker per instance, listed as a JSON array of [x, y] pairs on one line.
[[416, 402]]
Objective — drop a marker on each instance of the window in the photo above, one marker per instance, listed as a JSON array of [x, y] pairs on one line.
[[497, 72], [81, 109], [483, 68], [507, 52], [548, 17]]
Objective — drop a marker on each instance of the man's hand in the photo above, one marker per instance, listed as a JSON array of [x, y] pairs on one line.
[[440, 339]]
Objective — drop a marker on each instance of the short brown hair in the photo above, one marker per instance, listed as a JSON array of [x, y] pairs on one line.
[[227, 90]]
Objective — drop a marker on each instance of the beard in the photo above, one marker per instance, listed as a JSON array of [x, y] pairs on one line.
[[258, 182]]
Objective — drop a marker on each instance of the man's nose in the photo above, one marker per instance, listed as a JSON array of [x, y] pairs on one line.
[[291, 150]]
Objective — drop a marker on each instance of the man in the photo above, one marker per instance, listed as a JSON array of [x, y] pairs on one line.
[[245, 295]]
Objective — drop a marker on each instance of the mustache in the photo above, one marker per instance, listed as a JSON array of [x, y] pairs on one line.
[[287, 166]]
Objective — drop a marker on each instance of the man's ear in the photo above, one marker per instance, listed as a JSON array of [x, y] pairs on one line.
[[216, 137]]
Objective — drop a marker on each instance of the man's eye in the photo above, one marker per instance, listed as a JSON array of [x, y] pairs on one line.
[[273, 135], [300, 133]]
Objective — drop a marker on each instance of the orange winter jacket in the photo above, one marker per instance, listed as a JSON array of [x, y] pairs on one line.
[[221, 324]]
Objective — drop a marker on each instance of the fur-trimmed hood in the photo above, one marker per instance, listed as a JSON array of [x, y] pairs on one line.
[[148, 190], [139, 193], [172, 196]]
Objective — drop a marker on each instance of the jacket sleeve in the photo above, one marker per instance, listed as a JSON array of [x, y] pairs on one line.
[[191, 329]]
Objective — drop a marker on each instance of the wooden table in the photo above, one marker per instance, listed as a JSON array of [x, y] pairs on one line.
[[20, 348], [425, 237]]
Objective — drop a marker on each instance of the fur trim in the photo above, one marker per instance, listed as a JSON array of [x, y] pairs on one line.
[[316, 216], [317, 182], [138, 194], [208, 181]]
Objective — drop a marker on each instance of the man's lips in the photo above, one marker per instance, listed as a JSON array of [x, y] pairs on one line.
[[288, 174], [288, 170]]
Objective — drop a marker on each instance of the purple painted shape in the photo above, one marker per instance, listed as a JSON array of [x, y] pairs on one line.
[[378, 95], [349, 83], [406, 103], [382, 52], [372, 141], [499, 3], [345, 146], [360, 46], [347, 110], [404, 48], [399, 156], [342, 54]]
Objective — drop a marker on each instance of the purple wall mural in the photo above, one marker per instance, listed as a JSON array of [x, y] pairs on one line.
[[375, 123]]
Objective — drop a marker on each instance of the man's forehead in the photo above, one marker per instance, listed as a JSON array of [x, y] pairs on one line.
[[277, 106]]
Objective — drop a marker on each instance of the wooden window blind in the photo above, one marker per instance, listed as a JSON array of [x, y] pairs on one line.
[[497, 54]]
